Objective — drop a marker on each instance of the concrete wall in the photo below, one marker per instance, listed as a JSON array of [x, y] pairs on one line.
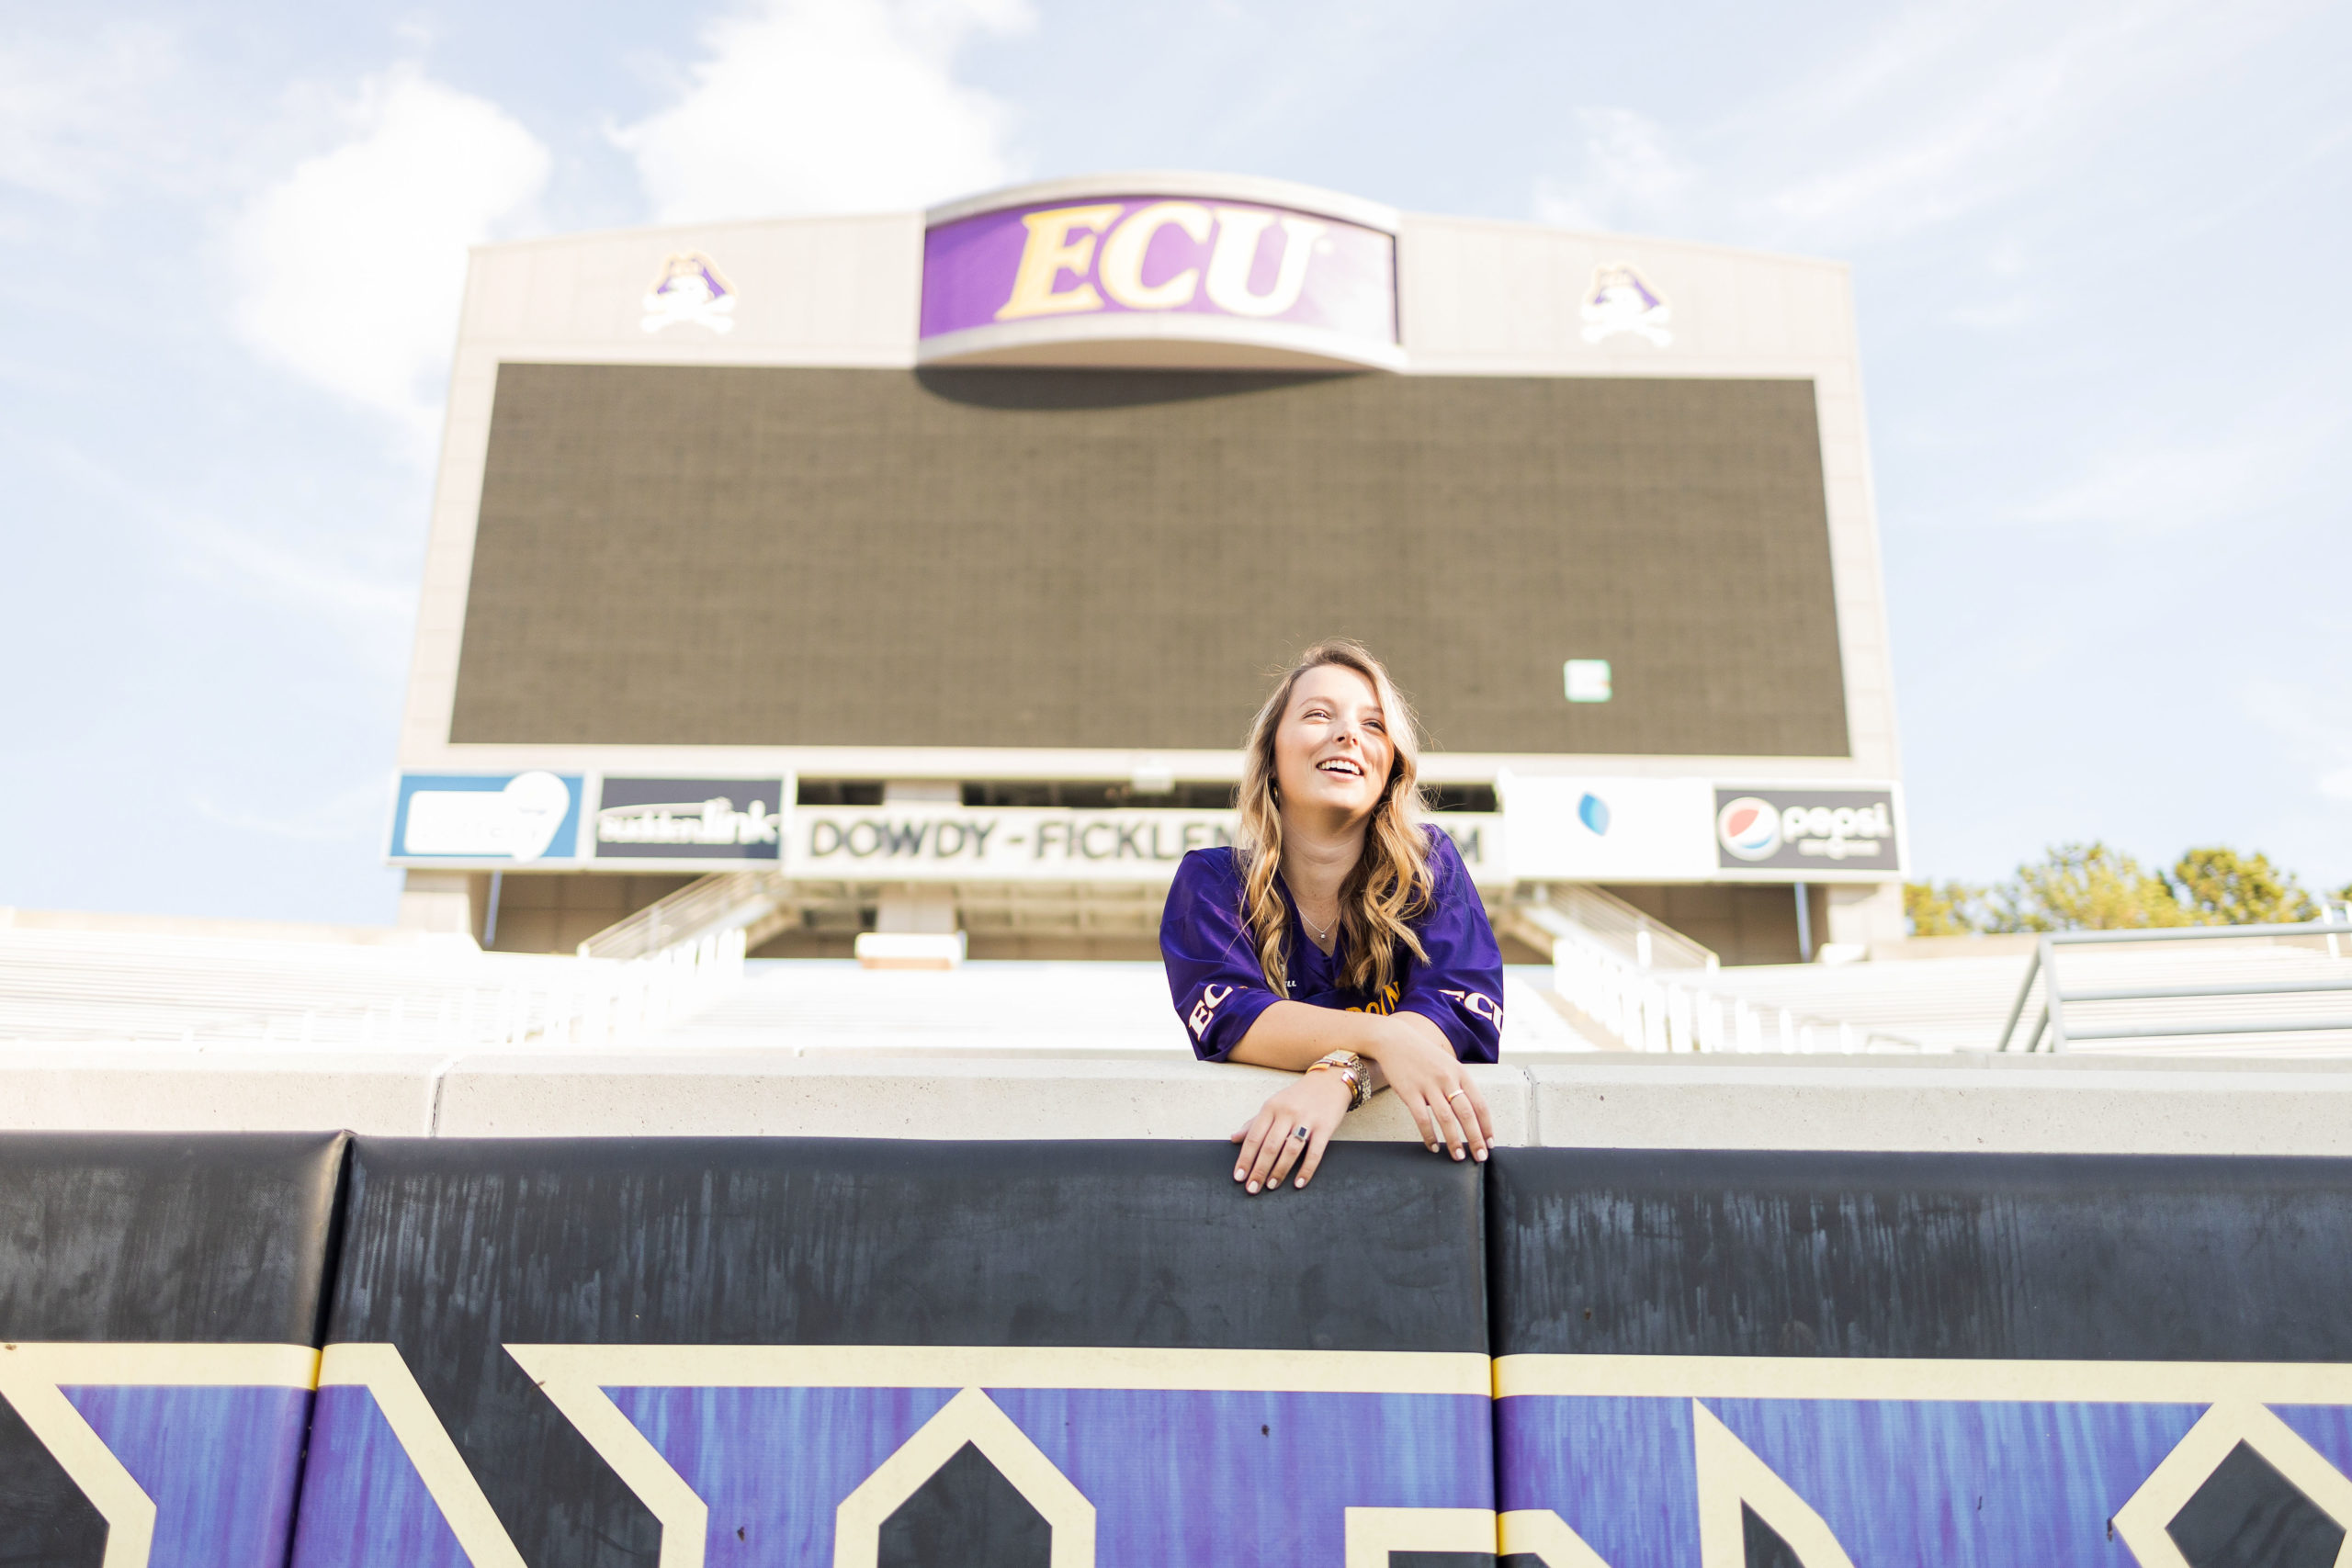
[[1950, 1103], [160, 1089]]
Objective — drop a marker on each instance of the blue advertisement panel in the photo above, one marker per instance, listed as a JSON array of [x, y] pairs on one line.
[[487, 818]]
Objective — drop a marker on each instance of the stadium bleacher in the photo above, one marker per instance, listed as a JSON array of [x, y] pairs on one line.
[[395, 992]]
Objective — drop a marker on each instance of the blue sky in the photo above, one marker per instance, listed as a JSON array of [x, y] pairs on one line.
[[2097, 248]]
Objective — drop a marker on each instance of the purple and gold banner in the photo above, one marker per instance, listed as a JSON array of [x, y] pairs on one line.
[[1103, 268], [802, 1456], [1657, 1462]]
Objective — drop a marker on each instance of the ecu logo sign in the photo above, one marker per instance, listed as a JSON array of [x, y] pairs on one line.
[[1305, 282]]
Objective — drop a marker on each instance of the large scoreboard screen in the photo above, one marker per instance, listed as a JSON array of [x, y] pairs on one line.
[[1105, 558]]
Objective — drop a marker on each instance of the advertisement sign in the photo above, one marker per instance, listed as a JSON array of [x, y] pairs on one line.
[[947, 843], [1583, 828], [689, 819], [513, 819], [1579, 828], [1113, 266], [1807, 831]]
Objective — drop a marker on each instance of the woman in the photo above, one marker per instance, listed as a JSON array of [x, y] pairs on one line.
[[1340, 939]]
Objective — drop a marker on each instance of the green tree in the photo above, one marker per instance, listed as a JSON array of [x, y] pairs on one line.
[[2220, 887], [2085, 888], [1948, 908]]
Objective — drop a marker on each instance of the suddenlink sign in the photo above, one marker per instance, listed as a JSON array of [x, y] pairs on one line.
[[1008, 844]]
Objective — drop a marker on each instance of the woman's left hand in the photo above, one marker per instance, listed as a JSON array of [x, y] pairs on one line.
[[1291, 1128], [1424, 1074]]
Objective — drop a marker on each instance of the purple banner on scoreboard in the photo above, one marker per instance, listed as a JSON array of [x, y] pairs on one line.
[[1146, 255]]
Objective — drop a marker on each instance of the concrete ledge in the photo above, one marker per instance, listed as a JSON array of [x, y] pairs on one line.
[[2079, 1104], [1946, 1104], [787, 1096], [116, 1090]]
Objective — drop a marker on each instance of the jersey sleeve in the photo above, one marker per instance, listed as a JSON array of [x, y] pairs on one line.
[[1460, 987], [1213, 975]]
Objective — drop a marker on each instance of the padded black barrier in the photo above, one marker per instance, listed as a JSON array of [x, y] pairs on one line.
[[160, 1304], [847, 1353], [1825, 1358]]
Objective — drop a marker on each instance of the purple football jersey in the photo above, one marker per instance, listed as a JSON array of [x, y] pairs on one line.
[[1219, 990]]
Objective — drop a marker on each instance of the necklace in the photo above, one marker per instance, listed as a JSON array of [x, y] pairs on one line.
[[1321, 934]]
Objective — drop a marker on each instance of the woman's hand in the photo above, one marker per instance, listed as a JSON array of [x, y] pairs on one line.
[[1290, 1129], [1422, 1072]]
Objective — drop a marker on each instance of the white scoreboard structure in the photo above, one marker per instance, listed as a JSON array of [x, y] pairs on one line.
[[936, 562]]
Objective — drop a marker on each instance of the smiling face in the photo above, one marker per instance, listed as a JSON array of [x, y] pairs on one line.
[[1331, 751]]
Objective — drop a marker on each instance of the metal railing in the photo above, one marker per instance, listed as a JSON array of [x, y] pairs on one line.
[[2051, 1023], [1653, 1010], [731, 900], [1636, 936]]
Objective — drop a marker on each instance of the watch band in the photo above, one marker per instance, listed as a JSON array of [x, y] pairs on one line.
[[1352, 1072]]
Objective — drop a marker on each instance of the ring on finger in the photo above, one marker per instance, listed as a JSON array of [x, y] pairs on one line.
[[1459, 1094], [1302, 1134]]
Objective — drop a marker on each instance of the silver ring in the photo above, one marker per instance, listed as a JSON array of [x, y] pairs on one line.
[[1458, 1094], [1301, 1134]]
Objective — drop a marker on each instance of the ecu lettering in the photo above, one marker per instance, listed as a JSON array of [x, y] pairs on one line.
[[1121, 271], [1050, 252]]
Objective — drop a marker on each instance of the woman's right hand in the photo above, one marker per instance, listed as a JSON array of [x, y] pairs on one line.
[[1423, 1072]]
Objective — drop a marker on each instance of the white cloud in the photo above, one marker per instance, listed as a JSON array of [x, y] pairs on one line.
[[1629, 171], [354, 813], [1931, 114], [1952, 107], [2230, 476], [74, 119], [829, 106], [351, 270], [2013, 311], [371, 607], [1982, 150]]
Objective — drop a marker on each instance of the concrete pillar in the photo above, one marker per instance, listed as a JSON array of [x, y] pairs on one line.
[[1862, 913], [918, 906], [448, 902]]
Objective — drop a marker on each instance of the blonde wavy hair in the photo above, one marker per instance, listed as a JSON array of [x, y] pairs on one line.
[[1392, 882]]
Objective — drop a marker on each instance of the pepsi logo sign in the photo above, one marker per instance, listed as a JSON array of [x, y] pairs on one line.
[[1749, 828], [1810, 830], [1593, 812]]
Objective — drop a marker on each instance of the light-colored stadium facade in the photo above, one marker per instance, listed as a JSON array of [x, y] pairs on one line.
[[931, 563]]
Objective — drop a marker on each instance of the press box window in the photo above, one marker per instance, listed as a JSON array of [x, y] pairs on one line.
[[1588, 680]]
